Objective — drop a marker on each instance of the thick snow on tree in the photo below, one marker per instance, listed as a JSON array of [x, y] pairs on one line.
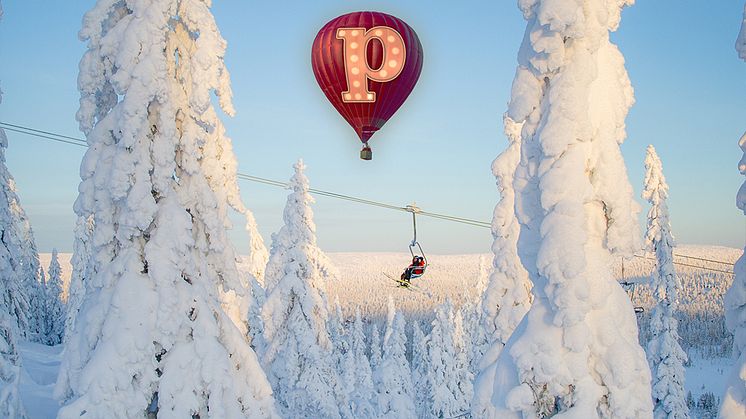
[[11, 303], [152, 335], [298, 231], [258, 253], [376, 354], [297, 355], [508, 294], [82, 247], [664, 351], [358, 375], [390, 314], [448, 379], [464, 377], [11, 405], [338, 336], [394, 376], [13, 269], [78, 278], [420, 368], [20, 270], [255, 321], [55, 308], [475, 336], [576, 351], [734, 399]]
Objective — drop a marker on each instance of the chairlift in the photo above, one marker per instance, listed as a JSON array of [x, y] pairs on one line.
[[419, 261]]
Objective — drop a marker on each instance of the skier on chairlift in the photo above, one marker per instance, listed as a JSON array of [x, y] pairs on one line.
[[419, 263], [415, 270]]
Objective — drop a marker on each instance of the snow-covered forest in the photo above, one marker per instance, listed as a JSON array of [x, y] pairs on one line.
[[571, 313], [461, 278]]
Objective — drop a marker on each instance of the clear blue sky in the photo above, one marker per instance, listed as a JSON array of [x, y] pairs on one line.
[[690, 89]]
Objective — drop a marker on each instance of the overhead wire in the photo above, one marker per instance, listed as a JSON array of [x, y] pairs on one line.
[[693, 266], [48, 135], [61, 140], [79, 142]]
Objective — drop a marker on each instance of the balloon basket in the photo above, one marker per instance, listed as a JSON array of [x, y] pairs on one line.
[[366, 153]]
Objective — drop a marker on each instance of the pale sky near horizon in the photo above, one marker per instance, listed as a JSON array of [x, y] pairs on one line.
[[689, 84]]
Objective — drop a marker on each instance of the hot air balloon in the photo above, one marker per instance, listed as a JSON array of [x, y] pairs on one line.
[[367, 64]]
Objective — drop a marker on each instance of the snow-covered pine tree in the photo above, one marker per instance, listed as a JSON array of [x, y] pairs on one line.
[[28, 266], [11, 405], [152, 335], [390, 314], [255, 321], [338, 336], [576, 351], [24, 301], [11, 298], [297, 357], [394, 376], [664, 351], [464, 389], [474, 334], [55, 308], [80, 263], [258, 253], [254, 263], [508, 294], [375, 347], [12, 271], [420, 368], [82, 247], [448, 378], [339, 357], [358, 374], [290, 237], [734, 400]]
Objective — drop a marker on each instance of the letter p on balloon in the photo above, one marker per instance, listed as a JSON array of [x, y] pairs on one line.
[[357, 67]]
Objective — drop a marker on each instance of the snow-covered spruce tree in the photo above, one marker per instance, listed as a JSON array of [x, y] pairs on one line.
[[299, 230], [55, 308], [448, 378], [358, 373], [375, 347], [26, 263], [80, 263], [338, 336], [152, 335], [298, 353], [664, 351], [420, 368], [258, 253], [390, 314], [82, 247], [576, 351], [734, 400], [394, 376], [508, 294], [255, 321], [464, 376], [23, 291], [11, 298], [474, 335]]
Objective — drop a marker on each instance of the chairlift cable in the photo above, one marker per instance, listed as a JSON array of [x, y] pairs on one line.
[[48, 135]]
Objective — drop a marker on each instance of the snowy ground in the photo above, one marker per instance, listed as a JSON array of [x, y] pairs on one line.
[[362, 283], [40, 366]]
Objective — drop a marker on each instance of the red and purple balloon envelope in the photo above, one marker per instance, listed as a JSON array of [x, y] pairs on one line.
[[367, 64]]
